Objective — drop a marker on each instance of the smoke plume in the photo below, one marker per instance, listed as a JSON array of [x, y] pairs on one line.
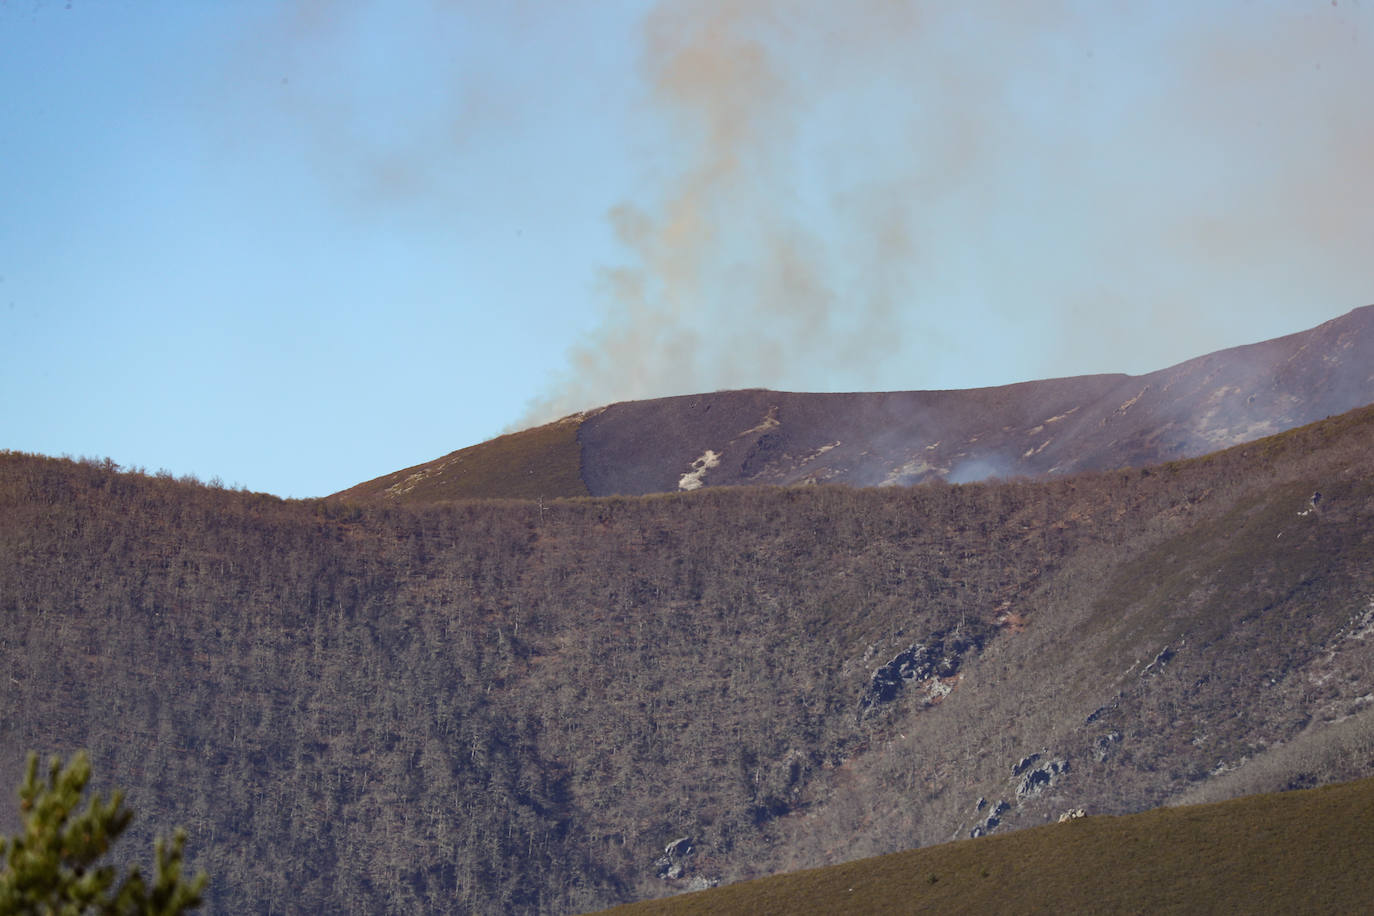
[[874, 194], [729, 280]]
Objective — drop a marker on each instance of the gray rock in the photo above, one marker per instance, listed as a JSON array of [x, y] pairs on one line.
[[1040, 778], [1163, 658], [992, 821], [941, 655], [701, 883], [672, 865], [679, 848], [1101, 711]]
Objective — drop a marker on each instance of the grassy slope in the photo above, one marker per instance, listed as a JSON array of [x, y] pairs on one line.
[[544, 462], [1306, 851]]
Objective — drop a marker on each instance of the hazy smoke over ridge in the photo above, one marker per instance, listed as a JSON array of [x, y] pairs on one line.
[[842, 188], [883, 194], [729, 283]]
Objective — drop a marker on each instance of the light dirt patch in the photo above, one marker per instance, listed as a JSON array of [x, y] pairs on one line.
[[769, 421], [1131, 403], [819, 452], [692, 480], [1062, 416]]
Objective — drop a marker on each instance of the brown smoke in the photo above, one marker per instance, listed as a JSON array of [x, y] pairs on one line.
[[726, 285], [1011, 162]]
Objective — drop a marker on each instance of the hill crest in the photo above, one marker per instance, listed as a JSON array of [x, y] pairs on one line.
[[1033, 429]]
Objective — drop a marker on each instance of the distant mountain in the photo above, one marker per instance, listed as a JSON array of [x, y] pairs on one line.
[[1030, 429]]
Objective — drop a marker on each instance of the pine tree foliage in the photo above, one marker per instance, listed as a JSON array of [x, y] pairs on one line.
[[51, 864]]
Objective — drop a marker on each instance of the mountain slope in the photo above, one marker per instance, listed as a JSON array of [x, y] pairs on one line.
[[1033, 429], [533, 463], [514, 706]]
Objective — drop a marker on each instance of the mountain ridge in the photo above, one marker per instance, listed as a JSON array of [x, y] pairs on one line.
[[1034, 428]]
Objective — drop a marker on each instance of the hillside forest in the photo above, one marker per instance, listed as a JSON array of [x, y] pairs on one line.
[[552, 706]]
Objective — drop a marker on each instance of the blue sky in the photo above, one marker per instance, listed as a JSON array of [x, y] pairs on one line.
[[297, 245]]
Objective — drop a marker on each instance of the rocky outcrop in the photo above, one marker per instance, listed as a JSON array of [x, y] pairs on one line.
[[673, 864], [1039, 778], [1165, 656], [1103, 710], [676, 867], [924, 664], [993, 819]]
